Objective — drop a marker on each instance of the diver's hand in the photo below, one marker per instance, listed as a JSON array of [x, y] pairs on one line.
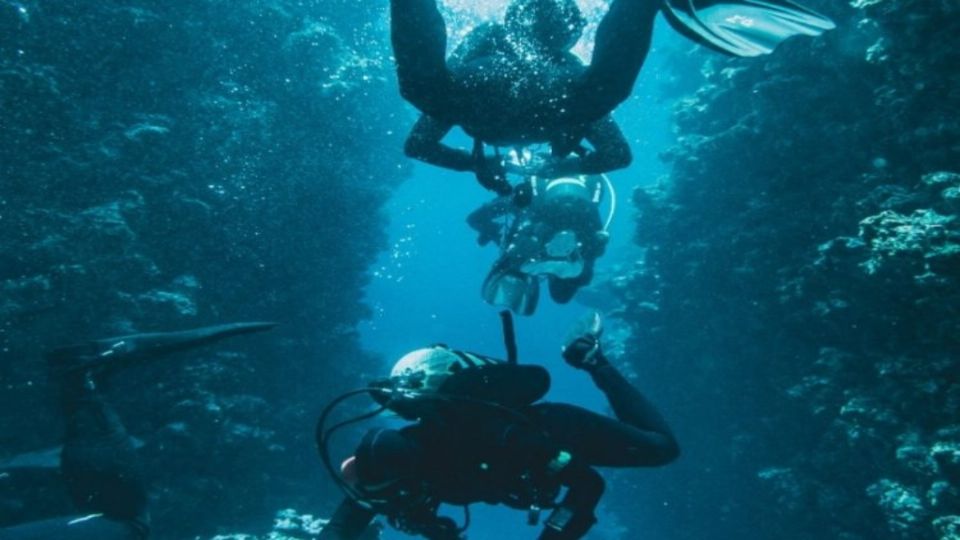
[[492, 175], [485, 237], [584, 353]]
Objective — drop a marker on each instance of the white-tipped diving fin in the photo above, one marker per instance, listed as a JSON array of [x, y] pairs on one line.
[[517, 292], [744, 28]]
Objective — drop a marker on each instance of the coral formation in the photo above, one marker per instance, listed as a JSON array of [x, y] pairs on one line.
[[797, 302], [174, 164]]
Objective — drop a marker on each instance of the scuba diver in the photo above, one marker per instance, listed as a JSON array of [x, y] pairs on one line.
[[480, 434], [508, 46], [98, 463], [548, 228], [518, 84]]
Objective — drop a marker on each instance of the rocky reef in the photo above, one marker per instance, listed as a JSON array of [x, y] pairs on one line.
[[796, 308], [290, 525], [175, 164]]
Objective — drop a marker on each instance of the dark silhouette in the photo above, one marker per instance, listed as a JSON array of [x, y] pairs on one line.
[[519, 84], [98, 463], [481, 436]]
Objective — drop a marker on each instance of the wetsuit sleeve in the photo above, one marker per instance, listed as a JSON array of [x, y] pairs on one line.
[[425, 143], [610, 152], [483, 219], [348, 522]]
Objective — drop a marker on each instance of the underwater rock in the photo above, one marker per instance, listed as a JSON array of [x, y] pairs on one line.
[[174, 165], [912, 240], [803, 260], [901, 505], [947, 527], [784, 484], [946, 453]]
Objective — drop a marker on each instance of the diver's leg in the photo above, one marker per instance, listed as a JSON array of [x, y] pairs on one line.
[[419, 37], [99, 463], [620, 48], [638, 437], [348, 522], [99, 469]]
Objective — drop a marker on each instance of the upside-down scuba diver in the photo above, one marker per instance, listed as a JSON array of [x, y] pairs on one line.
[[548, 229], [517, 83], [480, 434]]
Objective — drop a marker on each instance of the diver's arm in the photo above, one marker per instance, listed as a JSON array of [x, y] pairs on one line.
[[424, 143], [348, 522], [480, 218], [610, 152], [611, 149], [483, 219], [633, 408]]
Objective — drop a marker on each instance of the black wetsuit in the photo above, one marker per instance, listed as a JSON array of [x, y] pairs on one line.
[[500, 101], [100, 470], [512, 458]]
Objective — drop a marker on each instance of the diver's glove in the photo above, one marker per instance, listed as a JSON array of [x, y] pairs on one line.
[[582, 349], [492, 175], [485, 237], [585, 353]]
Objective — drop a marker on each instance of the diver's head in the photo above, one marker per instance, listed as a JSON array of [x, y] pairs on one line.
[[424, 371], [551, 25], [427, 381]]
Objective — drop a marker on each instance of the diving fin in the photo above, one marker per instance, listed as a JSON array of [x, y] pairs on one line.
[[122, 350], [517, 292], [743, 28]]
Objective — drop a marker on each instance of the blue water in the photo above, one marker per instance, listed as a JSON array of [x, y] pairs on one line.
[[426, 287]]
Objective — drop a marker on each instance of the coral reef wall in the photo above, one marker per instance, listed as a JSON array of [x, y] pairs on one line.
[[172, 164], [796, 309]]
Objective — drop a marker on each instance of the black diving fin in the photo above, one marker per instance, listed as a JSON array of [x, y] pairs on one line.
[[743, 28], [103, 353], [512, 290]]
